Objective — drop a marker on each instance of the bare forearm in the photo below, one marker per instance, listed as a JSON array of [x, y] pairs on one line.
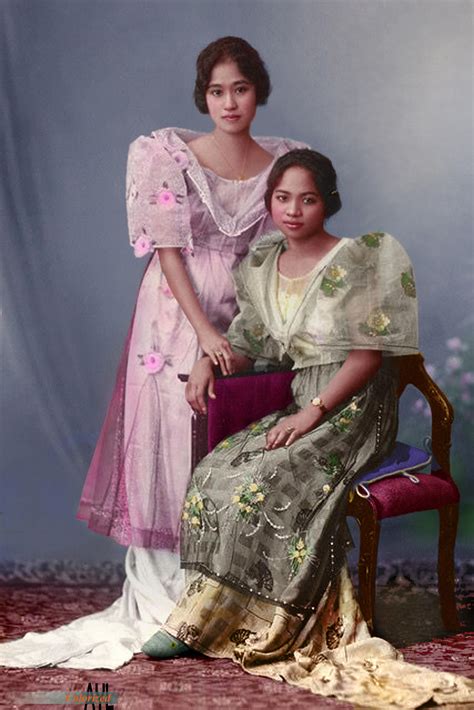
[[359, 367], [182, 288]]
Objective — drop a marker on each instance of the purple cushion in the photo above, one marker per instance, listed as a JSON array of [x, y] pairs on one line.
[[403, 459]]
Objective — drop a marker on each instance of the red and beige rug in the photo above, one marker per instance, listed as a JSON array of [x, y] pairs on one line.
[[408, 616]]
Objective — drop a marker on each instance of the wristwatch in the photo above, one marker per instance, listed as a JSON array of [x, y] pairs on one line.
[[318, 402]]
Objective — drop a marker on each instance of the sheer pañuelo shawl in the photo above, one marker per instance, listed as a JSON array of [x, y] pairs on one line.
[[362, 296]]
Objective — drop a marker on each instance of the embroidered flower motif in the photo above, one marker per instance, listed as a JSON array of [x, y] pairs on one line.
[[343, 420], [297, 552], [165, 197], [254, 337], [153, 362], [376, 324], [262, 575], [241, 635], [334, 634], [408, 283], [165, 289], [226, 443], [332, 465], [333, 279], [142, 246], [192, 512], [257, 428], [181, 159], [372, 239], [248, 498], [188, 634]]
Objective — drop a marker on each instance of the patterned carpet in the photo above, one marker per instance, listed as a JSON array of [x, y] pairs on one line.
[[407, 616]]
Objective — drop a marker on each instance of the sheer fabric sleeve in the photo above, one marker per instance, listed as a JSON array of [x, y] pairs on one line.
[[247, 333], [156, 193], [367, 298]]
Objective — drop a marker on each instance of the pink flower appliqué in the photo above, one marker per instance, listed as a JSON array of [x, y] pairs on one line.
[[187, 250], [181, 159], [165, 289], [142, 246], [166, 198], [154, 362]]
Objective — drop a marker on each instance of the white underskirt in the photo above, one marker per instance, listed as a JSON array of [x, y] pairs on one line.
[[108, 638]]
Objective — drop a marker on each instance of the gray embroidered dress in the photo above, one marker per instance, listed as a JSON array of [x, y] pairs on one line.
[[271, 522], [263, 532]]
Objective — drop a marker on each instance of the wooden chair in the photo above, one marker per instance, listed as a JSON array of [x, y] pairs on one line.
[[243, 399]]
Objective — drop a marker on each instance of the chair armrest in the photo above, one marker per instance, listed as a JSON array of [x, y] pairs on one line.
[[412, 371]]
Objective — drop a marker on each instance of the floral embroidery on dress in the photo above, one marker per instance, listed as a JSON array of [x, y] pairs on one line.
[[188, 634], [226, 443], [254, 337], [195, 587], [165, 289], [372, 239], [376, 324], [332, 464], [165, 197], [257, 428], [240, 636], [192, 512], [408, 283], [302, 519], [248, 499], [142, 244], [297, 552], [153, 362], [262, 576], [342, 421], [334, 634], [333, 280], [180, 157]]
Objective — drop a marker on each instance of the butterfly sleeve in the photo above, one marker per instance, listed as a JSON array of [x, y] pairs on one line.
[[156, 193]]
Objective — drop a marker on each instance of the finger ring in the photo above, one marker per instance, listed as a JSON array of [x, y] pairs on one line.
[[290, 428], [218, 352]]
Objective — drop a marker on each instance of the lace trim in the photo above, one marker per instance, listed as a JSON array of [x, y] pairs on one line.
[[177, 138]]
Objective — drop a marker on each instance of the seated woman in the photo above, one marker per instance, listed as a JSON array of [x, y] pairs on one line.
[[263, 526]]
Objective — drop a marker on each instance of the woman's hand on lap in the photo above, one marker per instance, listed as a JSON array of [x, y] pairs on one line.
[[293, 427]]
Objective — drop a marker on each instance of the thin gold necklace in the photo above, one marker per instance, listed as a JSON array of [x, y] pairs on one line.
[[232, 167]]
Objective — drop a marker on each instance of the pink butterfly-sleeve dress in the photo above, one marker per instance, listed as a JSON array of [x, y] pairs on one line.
[[138, 477]]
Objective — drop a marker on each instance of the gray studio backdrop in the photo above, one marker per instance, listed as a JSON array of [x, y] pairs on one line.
[[381, 86]]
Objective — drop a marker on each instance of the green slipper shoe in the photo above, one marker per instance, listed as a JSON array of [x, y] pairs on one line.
[[163, 645]]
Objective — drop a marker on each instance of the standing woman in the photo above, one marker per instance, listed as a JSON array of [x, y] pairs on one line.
[[195, 204]]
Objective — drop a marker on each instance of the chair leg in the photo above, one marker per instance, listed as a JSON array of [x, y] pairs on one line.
[[369, 528], [448, 523]]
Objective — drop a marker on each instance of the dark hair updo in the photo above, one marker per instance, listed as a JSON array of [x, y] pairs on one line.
[[244, 55], [322, 172]]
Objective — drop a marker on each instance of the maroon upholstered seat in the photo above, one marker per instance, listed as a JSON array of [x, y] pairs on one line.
[[398, 496]]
